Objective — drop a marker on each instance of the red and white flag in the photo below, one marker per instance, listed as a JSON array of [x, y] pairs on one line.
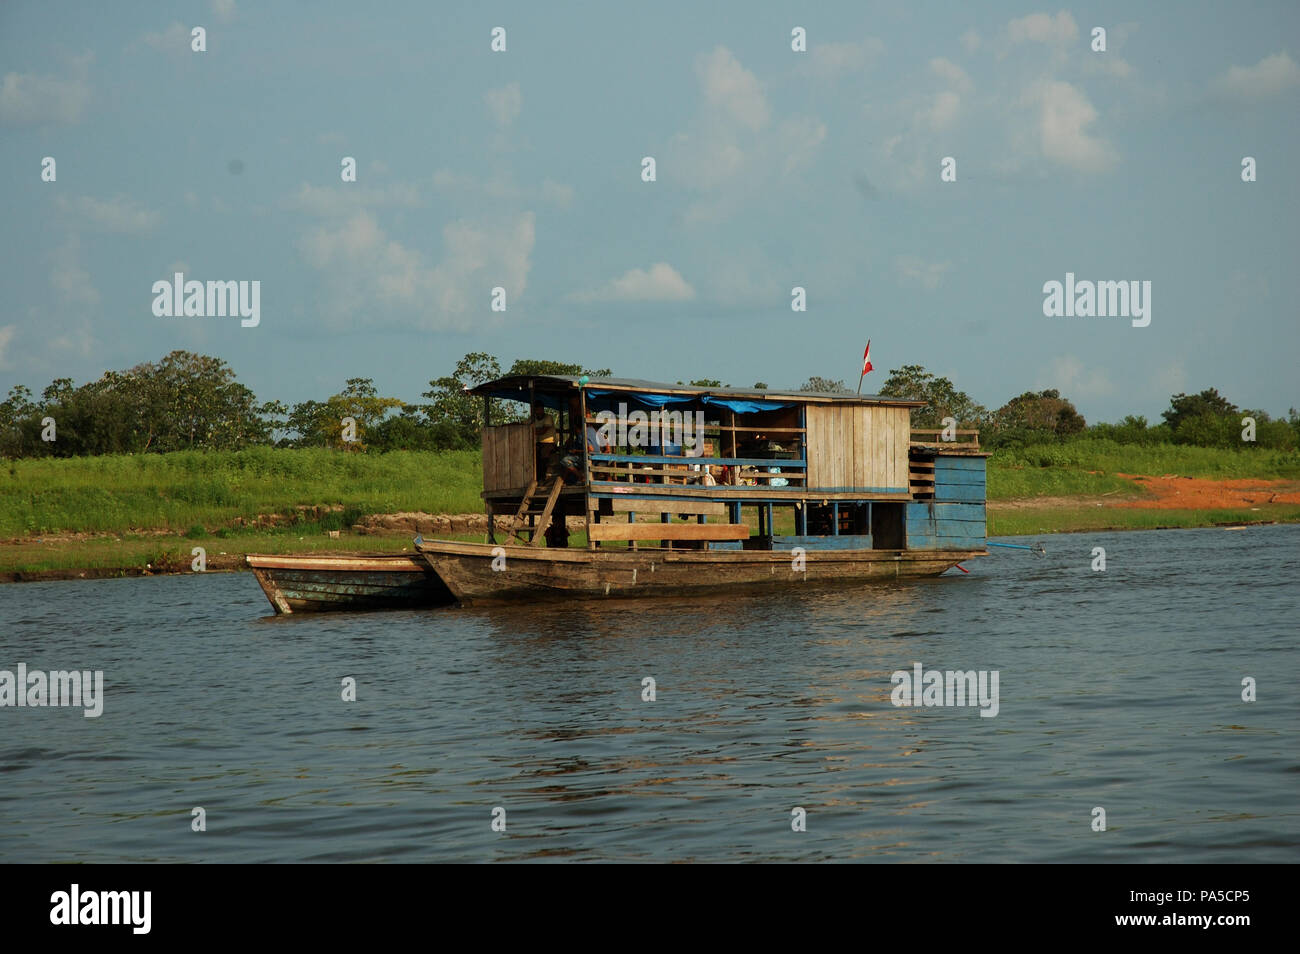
[[866, 358]]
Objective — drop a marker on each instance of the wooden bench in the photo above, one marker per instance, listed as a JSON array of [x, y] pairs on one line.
[[668, 531]]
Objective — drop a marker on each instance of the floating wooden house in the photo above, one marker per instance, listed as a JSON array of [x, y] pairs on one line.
[[692, 486]]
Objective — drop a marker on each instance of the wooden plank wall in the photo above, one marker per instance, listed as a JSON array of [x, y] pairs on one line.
[[507, 456], [858, 446]]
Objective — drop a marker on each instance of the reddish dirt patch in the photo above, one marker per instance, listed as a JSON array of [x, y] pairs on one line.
[[1171, 492]]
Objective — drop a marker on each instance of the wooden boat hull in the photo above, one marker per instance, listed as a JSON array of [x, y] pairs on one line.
[[309, 584], [529, 573]]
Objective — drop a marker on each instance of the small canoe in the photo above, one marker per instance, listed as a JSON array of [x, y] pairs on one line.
[[310, 584]]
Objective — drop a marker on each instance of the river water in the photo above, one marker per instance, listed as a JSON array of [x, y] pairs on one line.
[[1118, 689]]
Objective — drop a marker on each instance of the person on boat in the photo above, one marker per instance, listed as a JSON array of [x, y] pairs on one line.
[[545, 435], [557, 534]]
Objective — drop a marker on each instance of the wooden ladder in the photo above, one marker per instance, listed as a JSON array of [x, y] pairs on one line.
[[526, 507], [523, 509], [544, 523]]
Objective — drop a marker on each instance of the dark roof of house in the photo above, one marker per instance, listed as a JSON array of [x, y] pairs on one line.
[[553, 383]]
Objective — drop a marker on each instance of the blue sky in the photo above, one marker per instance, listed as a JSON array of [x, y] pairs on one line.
[[775, 169]]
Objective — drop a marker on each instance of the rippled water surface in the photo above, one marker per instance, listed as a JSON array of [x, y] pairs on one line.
[[1118, 689]]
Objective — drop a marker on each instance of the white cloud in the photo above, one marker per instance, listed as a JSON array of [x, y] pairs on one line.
[[6, 335], [505, 103], [1108, 64], [833, 59], [223, 10], [661, 282], [28, 99], [347, 198], [799, 139], [1270, 76], [952, 74], [369, 273], [730, 149], [118, 215], [556, 193], [1063, 120], [1043, 28], [731, 88], [1068, 375], [502, 187], [70, 279], [970, 40], [941, 111], [913, 270]]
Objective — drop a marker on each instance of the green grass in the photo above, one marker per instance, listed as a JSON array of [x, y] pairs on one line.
[[1062, 470], [193, 491], [173, 553], [1019, 523], [1008, 482]]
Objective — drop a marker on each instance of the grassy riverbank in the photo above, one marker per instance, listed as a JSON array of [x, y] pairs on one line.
[[146, 513], [211, 492]]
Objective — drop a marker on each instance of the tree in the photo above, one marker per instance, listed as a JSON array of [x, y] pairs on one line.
[[1184, 406], [184, 401], [912, 382], [537, 366], [320, 424], [760, 386], [17, 414], [706, 383], [455, 413], [1044, 411], [827, 385]]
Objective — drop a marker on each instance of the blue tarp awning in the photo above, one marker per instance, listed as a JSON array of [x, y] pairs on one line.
[[659, 400]]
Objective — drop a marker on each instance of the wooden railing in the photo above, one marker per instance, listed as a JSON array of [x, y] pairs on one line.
[[933, 437], [644, 468]]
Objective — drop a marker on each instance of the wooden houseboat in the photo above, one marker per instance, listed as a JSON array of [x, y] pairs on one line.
[[838, 487]]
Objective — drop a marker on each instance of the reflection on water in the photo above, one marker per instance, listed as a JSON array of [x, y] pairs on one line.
[[1118, 689]]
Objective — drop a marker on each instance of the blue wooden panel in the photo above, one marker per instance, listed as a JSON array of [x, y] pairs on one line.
[[959, 511], [945, 526], [955, 528], [970, 493], [962, 477], [959, 463], [854, 541], [917, 514], [945, 543]]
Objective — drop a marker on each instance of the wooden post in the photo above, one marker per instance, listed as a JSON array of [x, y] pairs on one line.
[[487, 504]]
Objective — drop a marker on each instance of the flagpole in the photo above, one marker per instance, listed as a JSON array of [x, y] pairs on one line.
[[860, 377]]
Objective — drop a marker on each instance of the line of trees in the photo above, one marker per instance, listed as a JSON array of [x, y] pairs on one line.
[[189, 401], [1206, 419]]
